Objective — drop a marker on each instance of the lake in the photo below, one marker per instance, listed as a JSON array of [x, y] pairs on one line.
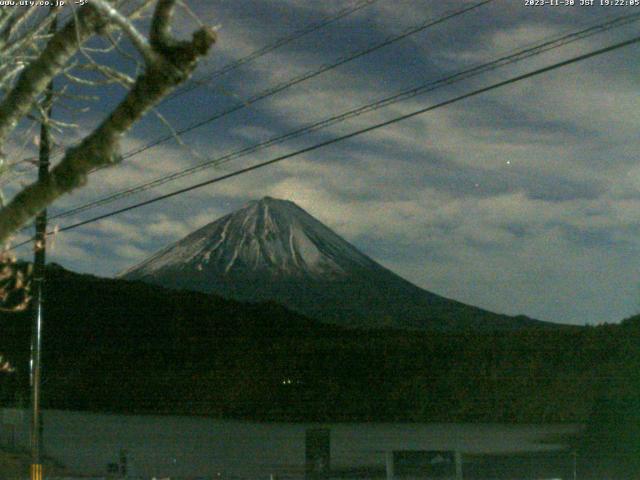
[[180, 446]]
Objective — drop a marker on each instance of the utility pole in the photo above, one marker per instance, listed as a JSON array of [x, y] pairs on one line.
[[38, 287]]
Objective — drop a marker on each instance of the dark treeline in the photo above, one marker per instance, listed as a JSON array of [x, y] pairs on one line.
[[117, 346]]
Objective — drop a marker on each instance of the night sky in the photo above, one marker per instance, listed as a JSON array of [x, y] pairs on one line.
[[524, 200]]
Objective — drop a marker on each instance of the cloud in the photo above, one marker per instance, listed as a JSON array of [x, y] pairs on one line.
[[521, 200]]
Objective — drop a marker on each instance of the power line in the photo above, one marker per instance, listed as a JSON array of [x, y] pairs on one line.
[[311, 74], [377, 126], [263, 51], [404, 95], [271, 47], [306, 76]]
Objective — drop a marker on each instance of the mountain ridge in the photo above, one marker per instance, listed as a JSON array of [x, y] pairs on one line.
[[261, 239], [273, 250], [112, 345]]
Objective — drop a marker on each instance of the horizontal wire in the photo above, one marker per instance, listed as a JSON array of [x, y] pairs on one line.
[[362, 131], [404, 95]]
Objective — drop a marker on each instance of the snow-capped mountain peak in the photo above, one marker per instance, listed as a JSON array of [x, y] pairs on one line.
[[267, 236], [273, 250]]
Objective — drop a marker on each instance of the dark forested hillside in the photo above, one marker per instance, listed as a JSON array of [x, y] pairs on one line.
[[113, 345]]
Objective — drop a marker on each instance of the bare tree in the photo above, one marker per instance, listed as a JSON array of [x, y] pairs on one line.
[[30, 58]]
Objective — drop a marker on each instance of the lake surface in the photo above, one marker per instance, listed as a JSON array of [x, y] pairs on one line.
[[178, 446]]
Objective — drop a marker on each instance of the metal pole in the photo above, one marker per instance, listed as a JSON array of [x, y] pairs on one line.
[[36, 332], [390, 465], [38, 289], [458, 464]]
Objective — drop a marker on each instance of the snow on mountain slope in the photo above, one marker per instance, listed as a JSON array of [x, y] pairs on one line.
[[273, 250], [270, 236]]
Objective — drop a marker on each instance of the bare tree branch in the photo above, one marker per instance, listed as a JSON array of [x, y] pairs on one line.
[[12, 22], [138, 39], [160, 34], [37, 75], [31, 35], [110, 75], [173, 62]]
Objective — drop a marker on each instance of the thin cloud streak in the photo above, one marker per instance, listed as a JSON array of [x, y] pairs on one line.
[[509, 201]]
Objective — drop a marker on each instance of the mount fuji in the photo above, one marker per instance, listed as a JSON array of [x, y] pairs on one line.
[[273, 250]]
